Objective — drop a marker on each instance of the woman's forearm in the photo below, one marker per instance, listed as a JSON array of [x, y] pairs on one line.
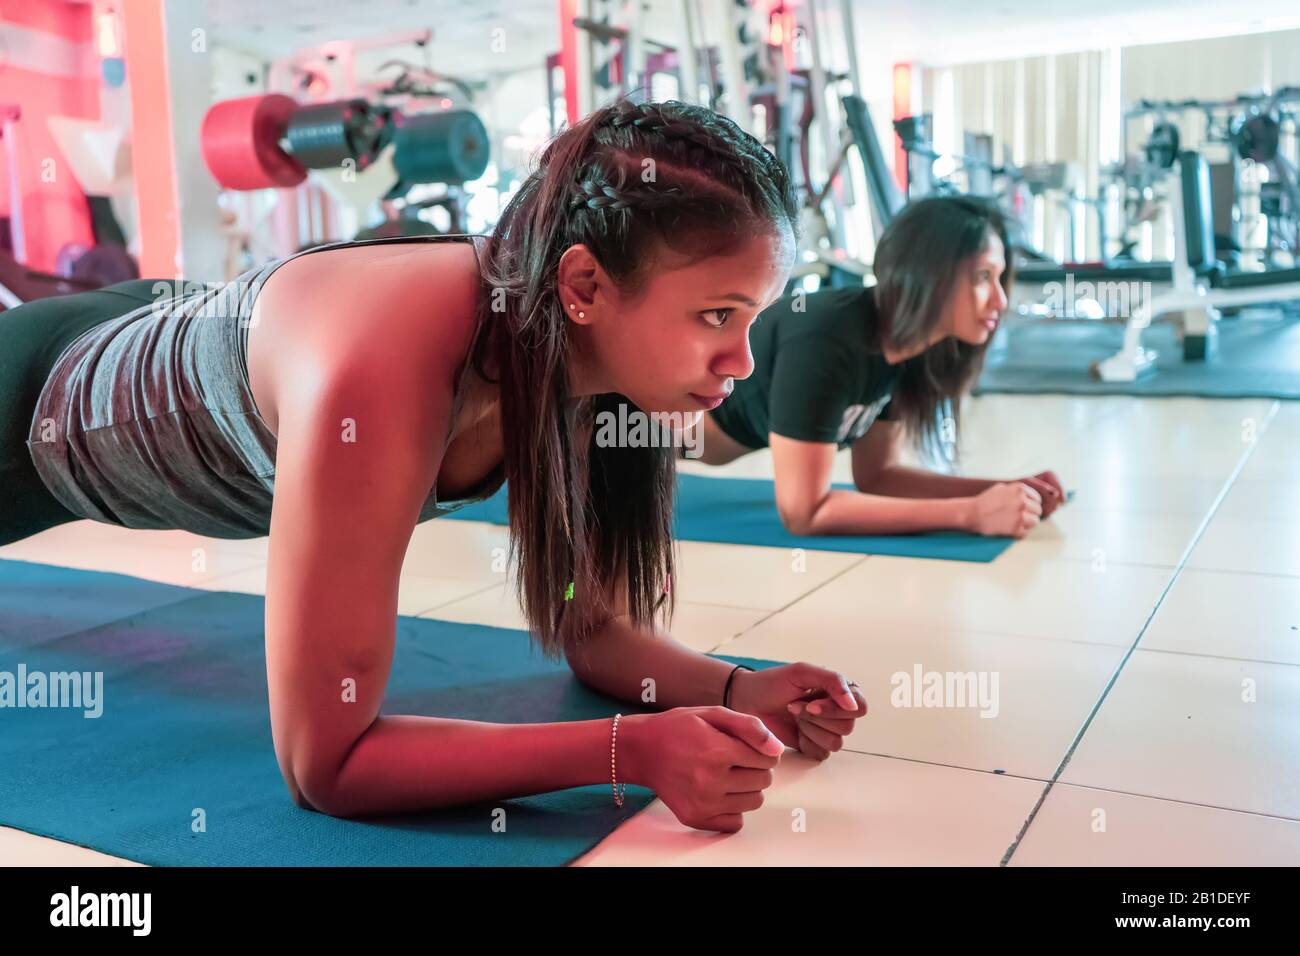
[[853, 512], [649, 667], [899, 482], [407, 763]]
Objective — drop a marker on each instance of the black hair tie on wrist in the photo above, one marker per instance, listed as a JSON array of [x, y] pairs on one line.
[[726, 693]]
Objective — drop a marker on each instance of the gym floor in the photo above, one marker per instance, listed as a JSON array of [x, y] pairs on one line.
[[1146, 642]]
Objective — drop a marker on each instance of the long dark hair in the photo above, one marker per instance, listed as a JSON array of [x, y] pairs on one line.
[[919, 259], [595, 516]]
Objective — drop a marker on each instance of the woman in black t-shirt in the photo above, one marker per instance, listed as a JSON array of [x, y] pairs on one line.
[[861, 368]]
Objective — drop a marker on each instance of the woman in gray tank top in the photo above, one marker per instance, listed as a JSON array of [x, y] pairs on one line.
[[336, 398]]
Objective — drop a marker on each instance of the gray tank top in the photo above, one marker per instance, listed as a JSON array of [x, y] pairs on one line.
[[148, 421]]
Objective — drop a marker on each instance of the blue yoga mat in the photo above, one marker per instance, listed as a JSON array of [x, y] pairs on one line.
[[184, 731], [743, 511]]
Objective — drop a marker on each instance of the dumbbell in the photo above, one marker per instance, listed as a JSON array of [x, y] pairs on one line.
[[258, 142]]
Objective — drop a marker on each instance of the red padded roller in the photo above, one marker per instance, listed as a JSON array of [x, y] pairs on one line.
[[241, 142]]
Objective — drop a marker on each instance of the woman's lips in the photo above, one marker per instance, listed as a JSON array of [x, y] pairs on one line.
[[710, 402]]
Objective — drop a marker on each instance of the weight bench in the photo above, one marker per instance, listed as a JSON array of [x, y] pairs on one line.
[[1201, 283]]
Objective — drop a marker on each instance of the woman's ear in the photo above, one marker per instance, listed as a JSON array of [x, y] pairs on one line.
[[579, 276]]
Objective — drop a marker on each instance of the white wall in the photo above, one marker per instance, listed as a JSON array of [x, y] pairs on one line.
[[1069, 106]]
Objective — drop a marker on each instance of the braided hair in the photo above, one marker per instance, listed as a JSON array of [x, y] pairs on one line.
[[628, 181]]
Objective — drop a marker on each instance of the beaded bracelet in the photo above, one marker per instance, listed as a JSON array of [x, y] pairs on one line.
[[619, 788]]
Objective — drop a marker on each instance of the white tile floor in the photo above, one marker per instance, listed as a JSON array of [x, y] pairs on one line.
[[1145, 644]]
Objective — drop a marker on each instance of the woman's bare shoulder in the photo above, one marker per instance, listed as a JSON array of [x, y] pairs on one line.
[[400, 307], [369, 288]]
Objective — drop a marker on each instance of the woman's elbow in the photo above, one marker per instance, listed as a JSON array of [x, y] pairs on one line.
[[577, 667], [312, 785], [798, 521], [297, 796], [867, 482], [871, 479], [318, 791]]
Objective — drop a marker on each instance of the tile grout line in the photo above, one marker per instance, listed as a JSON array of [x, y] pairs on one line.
[[940, 763], [790, 604], [1221, 657], [464, 597], [1185, 803], [961, 768], [728, 607], [1078, 786], [1187, 553]]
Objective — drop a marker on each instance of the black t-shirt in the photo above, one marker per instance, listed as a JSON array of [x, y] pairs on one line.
[[819, 374]]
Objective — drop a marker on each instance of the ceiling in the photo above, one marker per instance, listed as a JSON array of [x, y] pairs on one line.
[[943, 32], [462, 32], [934, 32]]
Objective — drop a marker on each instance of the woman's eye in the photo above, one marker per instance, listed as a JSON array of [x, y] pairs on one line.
[[724, 313]]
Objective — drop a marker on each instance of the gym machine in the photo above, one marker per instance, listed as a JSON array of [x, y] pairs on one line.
[[752, 74], [78, 268], [375, 143], [1202, 286], [1251, 143]]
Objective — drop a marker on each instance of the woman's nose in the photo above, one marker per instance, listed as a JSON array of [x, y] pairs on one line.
[[997, 298], [737, 362]]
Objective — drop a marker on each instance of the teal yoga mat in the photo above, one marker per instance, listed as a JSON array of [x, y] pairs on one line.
[[184, 730], [743, 511]]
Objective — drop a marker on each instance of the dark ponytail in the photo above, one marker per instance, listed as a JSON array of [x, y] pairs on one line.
[[626, 181]]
